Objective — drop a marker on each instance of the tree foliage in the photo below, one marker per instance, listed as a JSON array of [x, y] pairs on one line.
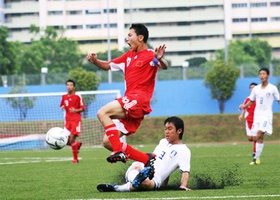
[[58, 54], [221, 79], [246, 52], [9, 52], [22, 104], [196, 61]]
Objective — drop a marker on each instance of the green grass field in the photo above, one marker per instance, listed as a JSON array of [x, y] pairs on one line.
[[218, 171]]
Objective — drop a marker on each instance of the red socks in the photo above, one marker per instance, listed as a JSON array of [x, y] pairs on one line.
[[135, 154], [113, 136]]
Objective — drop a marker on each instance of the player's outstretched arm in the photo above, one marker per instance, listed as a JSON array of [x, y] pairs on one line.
[[184, 181], [243, 106], [92, 57], [159, 53]]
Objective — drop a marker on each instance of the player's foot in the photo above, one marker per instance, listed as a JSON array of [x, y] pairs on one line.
[[150, 163], [75, 161], [106, 187], [115, 157], [255, 162], [143, 174]]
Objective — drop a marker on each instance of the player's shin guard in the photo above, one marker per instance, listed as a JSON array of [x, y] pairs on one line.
[[113, 136], [75, 149], [135, 154]]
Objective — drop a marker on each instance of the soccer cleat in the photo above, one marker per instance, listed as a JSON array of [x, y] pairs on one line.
[[106, 187], [115, 157], [255, 162], [141, 176], [150, 163], [75, 161]]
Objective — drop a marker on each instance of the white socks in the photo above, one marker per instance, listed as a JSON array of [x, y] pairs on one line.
[[259, 149], [123, 188]]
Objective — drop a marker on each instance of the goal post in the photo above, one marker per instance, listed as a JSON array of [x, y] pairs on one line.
[[25, 118]]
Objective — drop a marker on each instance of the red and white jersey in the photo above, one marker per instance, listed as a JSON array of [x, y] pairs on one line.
[[139, 74], [249, 114], [74, 101]]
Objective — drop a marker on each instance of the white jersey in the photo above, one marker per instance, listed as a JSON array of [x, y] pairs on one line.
[[264, 98], [168, 158]]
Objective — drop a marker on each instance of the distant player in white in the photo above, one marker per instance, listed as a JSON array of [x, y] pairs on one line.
[[263, 94], [170, 153]]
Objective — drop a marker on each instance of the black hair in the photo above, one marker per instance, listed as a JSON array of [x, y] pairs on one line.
[[253, 83], [264, 69], [141, 29], [70, 81], [178, 123]]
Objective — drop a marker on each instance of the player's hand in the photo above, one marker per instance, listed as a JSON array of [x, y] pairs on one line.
[[184, 188], [91, 57], [62, 108], [241, 107], [240, 117], [72, 110], [159, 51]]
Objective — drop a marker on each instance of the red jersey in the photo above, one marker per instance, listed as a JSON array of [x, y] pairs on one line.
[[249, 115], [139, 75], [74, 101]]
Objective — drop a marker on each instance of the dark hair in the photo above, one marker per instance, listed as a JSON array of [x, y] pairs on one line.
[[178, 123], [141, 29], [253, 84], [264, 69], [70, 81]]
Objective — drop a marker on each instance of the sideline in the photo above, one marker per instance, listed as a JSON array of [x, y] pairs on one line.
[[207, 197], [28, 160]]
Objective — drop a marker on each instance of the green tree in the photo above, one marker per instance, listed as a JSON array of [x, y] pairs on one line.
[[196, 61], [221, 79], [22, 104], [85, 81], [247, 52], [55, 52], [9, 52]]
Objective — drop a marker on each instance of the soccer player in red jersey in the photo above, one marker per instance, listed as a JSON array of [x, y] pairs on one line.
[[73, 105], [248, 114], [124, 115]]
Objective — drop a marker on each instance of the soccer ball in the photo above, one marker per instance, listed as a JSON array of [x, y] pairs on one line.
[[56, 138]]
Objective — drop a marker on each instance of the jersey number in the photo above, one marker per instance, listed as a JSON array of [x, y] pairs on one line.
[[261, 100]]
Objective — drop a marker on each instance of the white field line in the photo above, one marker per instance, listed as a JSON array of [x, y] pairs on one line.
[[27, 160], [207, 197]]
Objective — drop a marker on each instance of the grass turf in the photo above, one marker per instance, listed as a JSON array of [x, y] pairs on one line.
[[217, 171]]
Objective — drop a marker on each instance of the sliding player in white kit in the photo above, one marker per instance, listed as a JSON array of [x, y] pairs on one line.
[[264, 94], [170, 153]]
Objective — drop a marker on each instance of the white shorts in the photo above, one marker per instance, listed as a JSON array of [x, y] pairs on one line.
[[262, 123], [133, 166], [248, 130]]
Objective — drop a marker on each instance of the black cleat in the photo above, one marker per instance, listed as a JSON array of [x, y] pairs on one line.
[[143, 174], [106, 187], [119, 156], [150, 163]]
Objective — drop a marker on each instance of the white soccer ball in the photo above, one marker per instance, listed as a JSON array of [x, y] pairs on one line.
[[56, 138]]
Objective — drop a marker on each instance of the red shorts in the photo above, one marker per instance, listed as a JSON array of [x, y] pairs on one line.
[[134, 113], [74, 127]]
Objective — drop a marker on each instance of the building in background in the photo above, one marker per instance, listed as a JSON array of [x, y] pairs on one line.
[[189, 28]]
